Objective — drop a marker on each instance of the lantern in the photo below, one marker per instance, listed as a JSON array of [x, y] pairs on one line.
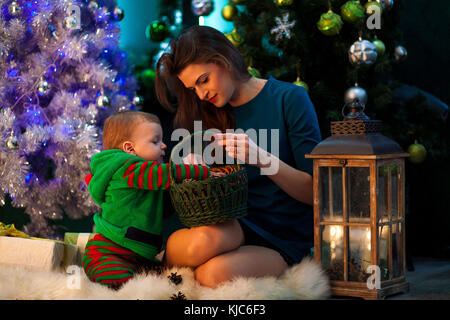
[[359, 207]]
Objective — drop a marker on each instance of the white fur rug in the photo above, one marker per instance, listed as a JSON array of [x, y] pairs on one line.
[[304, 281]]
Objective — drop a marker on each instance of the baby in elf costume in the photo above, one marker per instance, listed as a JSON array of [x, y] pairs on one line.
[[128, 180]]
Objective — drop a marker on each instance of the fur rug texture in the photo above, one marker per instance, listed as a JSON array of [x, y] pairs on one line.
[[304, 281]]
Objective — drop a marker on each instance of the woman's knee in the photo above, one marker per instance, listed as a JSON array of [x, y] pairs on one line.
[[212, 273], [191, 247]]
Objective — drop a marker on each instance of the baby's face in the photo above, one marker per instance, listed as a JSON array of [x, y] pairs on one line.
[[147, 140]]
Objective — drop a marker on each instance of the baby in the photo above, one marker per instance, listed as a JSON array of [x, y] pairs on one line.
[[128, 180]]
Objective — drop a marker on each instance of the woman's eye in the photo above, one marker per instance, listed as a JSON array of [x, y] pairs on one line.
[[205, 80]]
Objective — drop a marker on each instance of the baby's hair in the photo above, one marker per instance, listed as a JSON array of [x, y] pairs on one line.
[[118, 127]]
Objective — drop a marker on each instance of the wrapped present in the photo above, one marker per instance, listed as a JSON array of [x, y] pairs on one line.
[[75, 244], [31, 253]]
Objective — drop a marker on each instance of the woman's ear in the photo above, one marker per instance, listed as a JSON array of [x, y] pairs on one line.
[[128, 147]]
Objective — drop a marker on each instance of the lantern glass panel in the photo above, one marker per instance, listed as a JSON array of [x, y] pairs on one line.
[[397, 257], [330, 194], [382, 194], [358, 194], [332, 253], [383, 251], [359, 258], [394, 192]]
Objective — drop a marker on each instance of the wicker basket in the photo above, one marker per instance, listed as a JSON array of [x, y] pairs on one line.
[[210, 201]]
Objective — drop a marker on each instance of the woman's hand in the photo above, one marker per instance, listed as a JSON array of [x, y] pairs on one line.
[[240, 146]]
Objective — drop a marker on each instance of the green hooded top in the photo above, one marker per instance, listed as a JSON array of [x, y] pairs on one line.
[[130, 190]]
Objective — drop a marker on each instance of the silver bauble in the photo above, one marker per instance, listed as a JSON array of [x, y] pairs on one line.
[[362, 52], [400, 53], [43, 87], [71, 22], [93, 5], [14, 9], [202, 7], [103, 101], [386, 4], [11, 143], [355, 93], [119, 14], [138, 101]]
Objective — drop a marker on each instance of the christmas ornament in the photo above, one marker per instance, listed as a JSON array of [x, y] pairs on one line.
[[352, 11], [400, 53], [11, 143], [284, 3], [330, 23], [103, 101], [93, 5], [301, 83], [157, 31], [234, 37], [283, 27], [417, 152], [254, 72], [229, 11], [355, 93], [386, 4], [202, 7], [362, 52], [138, 101], [370, 10], [119, 14], [148, 77], [14, 9], [379, 45], [43, 87], [71, 22]]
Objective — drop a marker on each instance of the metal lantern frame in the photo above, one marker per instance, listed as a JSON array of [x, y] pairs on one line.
[[359, 208]]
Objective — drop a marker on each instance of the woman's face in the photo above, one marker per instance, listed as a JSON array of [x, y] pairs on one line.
[[209, 81]]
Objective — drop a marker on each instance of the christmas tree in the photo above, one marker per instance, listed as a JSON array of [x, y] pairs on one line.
[[330, 46], [61, 75]]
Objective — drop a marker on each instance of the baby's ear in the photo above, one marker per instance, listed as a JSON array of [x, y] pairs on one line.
[[128, 147]]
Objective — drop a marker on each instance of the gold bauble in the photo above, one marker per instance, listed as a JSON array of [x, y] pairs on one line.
[[301, 83], [229, 11]]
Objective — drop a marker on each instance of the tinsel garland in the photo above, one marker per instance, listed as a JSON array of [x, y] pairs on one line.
[[61, 75]]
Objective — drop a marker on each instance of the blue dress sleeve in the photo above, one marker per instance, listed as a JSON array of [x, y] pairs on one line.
[[302, 126]]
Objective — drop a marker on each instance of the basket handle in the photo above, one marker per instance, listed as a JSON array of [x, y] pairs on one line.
[[181, 143]]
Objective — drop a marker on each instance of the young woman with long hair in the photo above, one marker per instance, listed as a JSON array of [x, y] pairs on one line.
[[204, 77]]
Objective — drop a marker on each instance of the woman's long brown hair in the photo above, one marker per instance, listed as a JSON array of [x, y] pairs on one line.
[[197, 44]]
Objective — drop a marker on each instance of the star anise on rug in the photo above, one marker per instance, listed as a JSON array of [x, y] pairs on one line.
[[175, 278], [178, 296]]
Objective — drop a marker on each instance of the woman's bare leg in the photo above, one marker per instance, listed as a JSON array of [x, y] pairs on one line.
[[194, 246], [246, 261]]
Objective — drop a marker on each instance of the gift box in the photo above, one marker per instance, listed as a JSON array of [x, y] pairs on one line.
[[75, 244], [31, 253]]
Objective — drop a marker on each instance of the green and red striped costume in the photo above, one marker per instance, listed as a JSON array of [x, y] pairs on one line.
[[130, 193]]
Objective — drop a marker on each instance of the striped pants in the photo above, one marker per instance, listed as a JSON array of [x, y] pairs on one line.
[[109, 264]]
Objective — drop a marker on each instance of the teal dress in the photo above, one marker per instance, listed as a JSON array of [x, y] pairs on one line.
[[274, 215]]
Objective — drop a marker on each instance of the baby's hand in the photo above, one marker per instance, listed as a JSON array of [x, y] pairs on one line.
[[193, 158]]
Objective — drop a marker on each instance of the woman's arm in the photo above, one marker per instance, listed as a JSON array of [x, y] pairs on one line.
[[296, 183]]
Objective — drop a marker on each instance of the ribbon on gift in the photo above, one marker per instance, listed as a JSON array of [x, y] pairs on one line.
[[11, 231]]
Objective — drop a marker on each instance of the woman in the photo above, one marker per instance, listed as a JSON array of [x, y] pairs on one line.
[[207, 78]]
